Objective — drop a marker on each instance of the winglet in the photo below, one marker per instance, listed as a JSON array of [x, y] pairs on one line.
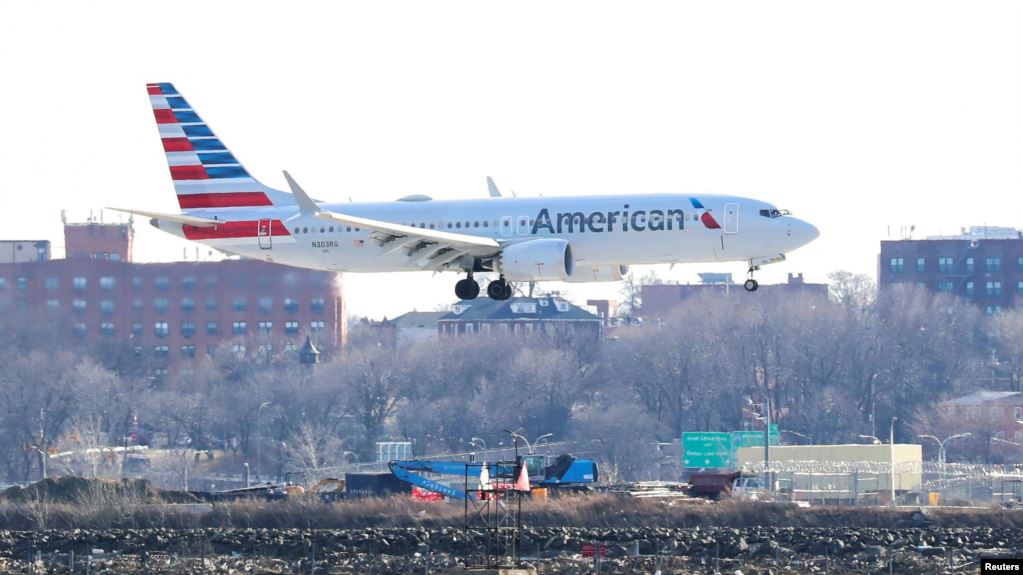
[[306, 205], [494, 192]]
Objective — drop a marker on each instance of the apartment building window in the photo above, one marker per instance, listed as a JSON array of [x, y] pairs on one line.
[[161, 305], [78, 329], [187, 328], [136, 304], [52, 283], [78, 305], [316, 326], [994, 289], [136, 329], [188, 351], [290, 305], [993, 264], [161, 350], [106, 328], [969, 289], [211, 328], [187, 305], [53, 303], [239, 327], [3, 283], [993, 309], [161, 329], [266, 304], [921, 265], [1019, 264], [79, 283], [107, 283], [106, 307], [316, 304], [159, 373], [212, 281], [161, 283], [1017, 413], [136, 284], [188, 283], [897, 265], [946, 287], [240, 304], [211, 304], [265, 327], [946, 265], [969, 265], [291, 327], [238, 349]]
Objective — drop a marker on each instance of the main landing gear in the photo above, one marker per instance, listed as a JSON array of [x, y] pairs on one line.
[[467, 288], [751, 284], [499, 289]]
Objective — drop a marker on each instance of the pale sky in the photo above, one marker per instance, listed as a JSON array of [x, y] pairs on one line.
[[861, 117]]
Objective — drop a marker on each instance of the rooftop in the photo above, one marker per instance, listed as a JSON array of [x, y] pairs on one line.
[[984, 396], [518, 308]]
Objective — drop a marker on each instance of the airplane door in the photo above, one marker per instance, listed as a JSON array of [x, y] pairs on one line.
[[506, 225], [263, 234], [731, 218]]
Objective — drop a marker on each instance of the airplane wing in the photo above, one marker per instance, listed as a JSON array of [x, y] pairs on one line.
[[176, 218], [425, 248]]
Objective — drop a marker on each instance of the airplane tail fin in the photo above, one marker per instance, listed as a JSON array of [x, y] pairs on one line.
[[206, 174]]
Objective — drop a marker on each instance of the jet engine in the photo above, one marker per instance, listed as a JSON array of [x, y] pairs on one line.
[[542, 259], [598, 274]]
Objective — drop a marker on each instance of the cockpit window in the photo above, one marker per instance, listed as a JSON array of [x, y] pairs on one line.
[[775, 213]]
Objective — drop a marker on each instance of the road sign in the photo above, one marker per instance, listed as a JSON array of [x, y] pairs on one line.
[[754, 438], [707, 449]]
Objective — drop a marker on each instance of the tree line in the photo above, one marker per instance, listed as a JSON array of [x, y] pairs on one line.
[[833, 369]]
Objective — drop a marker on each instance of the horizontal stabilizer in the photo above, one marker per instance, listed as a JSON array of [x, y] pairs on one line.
[[176, 218]]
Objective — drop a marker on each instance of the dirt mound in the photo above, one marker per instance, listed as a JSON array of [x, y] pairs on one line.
[[79, 490]]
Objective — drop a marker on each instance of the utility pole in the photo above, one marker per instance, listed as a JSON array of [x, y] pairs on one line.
[[768, 483]]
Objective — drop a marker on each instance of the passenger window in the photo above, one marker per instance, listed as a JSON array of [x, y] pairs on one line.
[[458, 224]]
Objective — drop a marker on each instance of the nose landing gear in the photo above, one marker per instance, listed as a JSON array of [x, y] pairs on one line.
[[751, 284]]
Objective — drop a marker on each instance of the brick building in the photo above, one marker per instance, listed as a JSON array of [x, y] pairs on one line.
[[982, 265], [519, 315], [169, 314], [993, 417], [661, 300]]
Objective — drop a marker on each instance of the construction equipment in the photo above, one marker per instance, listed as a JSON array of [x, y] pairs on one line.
[[566, 472]]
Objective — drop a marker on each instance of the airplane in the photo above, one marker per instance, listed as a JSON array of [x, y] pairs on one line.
[[567, 238]]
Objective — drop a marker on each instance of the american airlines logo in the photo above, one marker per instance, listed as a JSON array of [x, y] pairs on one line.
[[617, 220]]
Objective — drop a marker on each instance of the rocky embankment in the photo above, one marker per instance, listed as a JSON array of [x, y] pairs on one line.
[[551, 549]]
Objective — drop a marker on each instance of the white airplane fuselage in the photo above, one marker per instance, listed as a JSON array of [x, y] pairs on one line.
[[568, 238], [613, 230]]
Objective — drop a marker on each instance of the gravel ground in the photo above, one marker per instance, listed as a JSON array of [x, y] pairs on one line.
[[409, 550]]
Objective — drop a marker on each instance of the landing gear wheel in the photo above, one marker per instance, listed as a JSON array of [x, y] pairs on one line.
[[499, 290], [751, 285], [467, 289]]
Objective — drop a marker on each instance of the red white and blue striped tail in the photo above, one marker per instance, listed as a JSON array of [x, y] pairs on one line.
[[205, 173]]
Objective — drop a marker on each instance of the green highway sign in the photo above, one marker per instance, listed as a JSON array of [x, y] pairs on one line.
[[707, 449], [754, 438]]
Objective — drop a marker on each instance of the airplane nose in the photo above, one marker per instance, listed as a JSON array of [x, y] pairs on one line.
[[802, 232]]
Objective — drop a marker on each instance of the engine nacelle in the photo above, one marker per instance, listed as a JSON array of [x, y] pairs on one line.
[[544, 259], [598, 274]]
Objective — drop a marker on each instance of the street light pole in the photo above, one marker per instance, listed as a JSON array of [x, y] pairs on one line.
[[259, 462], [891, 453]]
